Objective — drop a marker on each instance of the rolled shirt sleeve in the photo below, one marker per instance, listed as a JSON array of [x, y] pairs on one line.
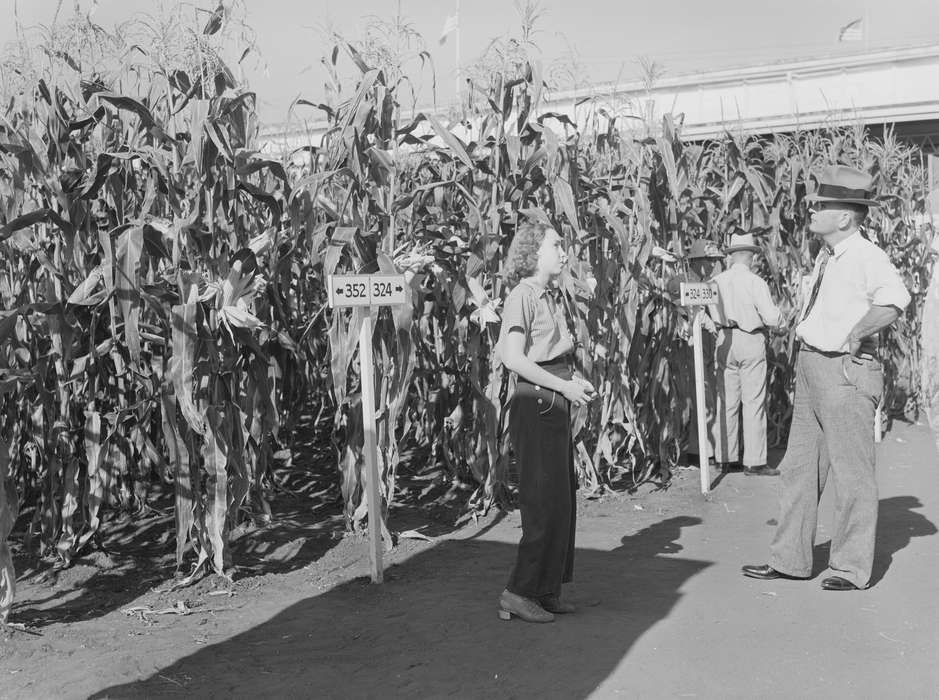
[[884, 284], [517, 312], [766, 307]]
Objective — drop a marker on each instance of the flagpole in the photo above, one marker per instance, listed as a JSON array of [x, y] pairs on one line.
[[457, 42]]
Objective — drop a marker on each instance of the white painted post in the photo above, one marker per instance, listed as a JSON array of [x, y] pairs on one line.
[[369, 291], [370, 449], [700, 404], [879, 422]]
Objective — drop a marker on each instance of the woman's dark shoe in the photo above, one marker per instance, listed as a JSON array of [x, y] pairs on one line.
[[553, 604], [523, 608], [836, 583]]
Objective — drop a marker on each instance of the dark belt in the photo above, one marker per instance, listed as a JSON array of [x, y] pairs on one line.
[[865, 354], [733, 326], [562, 366]]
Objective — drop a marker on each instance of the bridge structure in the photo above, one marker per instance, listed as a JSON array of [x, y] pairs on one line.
[[893, 88]]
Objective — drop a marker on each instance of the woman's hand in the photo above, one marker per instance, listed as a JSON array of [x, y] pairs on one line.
[[578, 391], [591, 391]]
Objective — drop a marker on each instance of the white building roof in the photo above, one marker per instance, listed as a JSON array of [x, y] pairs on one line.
[[884, 86]]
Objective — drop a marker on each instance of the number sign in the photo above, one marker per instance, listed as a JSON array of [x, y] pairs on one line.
[[366, 290], [698, 293]]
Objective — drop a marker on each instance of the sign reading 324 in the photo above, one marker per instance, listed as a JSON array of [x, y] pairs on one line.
[[366, 290], [698, 293]]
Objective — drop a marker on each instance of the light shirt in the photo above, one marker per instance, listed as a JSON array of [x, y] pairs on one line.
[[743, 298], [858, 275], [531, 310]]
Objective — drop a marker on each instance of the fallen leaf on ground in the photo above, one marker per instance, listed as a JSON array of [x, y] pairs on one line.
[[414, 535], [143, 610]]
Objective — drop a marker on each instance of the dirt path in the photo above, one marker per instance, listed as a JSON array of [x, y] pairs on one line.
[[664, 613]]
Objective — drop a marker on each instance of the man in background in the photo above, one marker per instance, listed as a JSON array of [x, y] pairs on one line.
[[744, 313], [704, 259]]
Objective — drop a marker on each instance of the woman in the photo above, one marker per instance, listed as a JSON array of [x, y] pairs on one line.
[[536, 345]]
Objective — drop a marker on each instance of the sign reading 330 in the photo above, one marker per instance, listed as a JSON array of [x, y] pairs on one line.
[[698, 293]]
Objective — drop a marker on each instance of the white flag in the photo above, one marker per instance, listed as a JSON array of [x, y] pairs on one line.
[[450, 26], [852, 31]]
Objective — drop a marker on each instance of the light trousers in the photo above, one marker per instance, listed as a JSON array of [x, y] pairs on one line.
[[832, 434], [741, 391]]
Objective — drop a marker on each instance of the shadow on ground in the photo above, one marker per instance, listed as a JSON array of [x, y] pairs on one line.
[[432, 630], [135, 553], [897, 525]]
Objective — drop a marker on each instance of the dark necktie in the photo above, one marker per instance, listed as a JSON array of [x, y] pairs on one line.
[[823, 258]]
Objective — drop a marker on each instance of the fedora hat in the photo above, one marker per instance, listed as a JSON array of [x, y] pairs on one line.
[[843, 184], [740, 242], [703, 248]]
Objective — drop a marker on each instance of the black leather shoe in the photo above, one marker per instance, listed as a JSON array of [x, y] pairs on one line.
[[761, 470], [836, 583], [765, 572]]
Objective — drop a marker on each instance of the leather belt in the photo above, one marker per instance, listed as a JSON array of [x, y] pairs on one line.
[[733, 326], [864, 354]]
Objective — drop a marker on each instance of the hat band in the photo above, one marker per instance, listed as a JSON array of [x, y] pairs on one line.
[[838, 192]]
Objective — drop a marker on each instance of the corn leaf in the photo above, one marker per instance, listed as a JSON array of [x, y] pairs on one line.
[[215, 450], [182, 366], [95, 450], [451, 141], [9, 509]]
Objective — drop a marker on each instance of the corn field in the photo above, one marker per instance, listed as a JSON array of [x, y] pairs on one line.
[[162, 286]]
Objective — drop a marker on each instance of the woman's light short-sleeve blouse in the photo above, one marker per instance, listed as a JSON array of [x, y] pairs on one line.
[[530, 309]]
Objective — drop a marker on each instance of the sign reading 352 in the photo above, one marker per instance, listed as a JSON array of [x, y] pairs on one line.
[[366, 290]]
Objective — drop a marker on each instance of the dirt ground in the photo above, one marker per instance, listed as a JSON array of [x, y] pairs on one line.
[[663, 609]]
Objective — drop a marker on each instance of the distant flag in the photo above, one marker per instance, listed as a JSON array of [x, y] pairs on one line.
[[852, 31], [450, 26]]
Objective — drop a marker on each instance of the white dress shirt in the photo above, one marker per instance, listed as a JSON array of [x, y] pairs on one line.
[[743, 298], [858, 275]]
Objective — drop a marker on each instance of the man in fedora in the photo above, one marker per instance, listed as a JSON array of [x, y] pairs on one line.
[[744, 313], [704, 259], [855, 293]]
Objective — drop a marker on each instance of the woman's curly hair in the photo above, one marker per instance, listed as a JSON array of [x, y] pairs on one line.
[[522, 259]]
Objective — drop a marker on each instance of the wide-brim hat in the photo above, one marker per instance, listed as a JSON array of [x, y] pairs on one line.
[[702, 248], [845, 185], [742, 242]]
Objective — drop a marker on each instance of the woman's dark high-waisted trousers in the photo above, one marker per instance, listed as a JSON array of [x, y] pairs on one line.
[[540, 434]]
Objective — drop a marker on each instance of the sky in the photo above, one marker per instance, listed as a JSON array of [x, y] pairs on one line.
[[607, 37]]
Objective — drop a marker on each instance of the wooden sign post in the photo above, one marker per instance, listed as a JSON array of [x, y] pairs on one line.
[[369, 290], [700, 294]]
